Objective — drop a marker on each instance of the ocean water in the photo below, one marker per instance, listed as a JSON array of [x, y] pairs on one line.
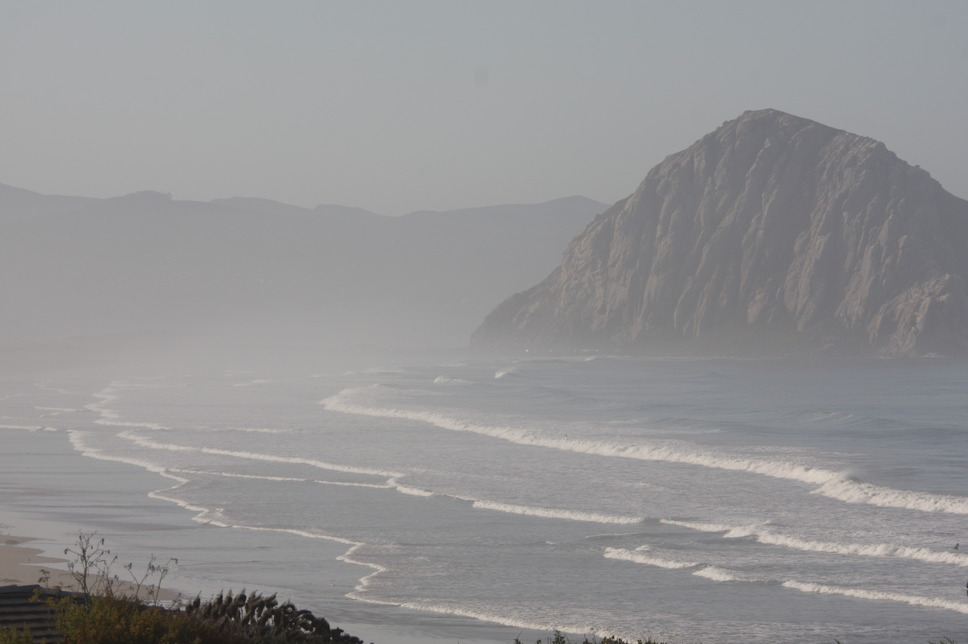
[[477, 499]]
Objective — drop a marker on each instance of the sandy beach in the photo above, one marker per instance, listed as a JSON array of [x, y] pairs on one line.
[[22, 565]]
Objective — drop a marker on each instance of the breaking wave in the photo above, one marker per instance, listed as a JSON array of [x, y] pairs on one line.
[[551, 513], [875, 595], [643, 555], [772, 538], [350, 469], [445, 380], [832, 484]]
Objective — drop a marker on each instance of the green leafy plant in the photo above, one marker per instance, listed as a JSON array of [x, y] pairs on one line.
[[11, 635], [105, 612], [263, 619]]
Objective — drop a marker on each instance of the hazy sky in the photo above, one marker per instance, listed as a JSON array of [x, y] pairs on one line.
[[399, 106]]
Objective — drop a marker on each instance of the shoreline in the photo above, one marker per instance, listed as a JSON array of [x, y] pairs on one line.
[[21, 564], [52, 492], [24, 565]]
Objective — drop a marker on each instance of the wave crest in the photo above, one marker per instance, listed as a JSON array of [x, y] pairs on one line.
[[833, 484], [770, 537], [552, 513]]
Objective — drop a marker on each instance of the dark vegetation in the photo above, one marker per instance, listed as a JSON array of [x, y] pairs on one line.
[[227, 619], [103, 610], [558, 638]]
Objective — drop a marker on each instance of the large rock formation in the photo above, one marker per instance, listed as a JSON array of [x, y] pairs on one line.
[[773, 234]]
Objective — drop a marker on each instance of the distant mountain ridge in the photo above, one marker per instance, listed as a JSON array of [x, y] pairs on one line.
[[332, 275], [773, 234]]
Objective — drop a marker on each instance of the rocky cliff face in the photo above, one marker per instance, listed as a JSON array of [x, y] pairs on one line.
[[773, 234]]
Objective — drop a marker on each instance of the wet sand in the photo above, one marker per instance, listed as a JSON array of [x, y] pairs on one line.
[[23, 565]]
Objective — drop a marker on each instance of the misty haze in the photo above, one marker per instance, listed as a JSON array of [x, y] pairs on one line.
[[476, 322], [252, 277]]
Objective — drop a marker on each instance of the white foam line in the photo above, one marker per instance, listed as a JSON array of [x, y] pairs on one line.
[[552, 513], [204, 515], [110, 417], [410, 490], [498, 618], [852, 491], [234, 475], [391, 483], [376, 486], [642, 555], [714, 573], [832, 484], [365, 581], [282, 479], [77, 437], [770, 537], [445, 380], [502, 618], [525, 510], [114, 422], [216, 517], [77, 440], [664, 453], [876, 595], [271, 458], [309, 534]]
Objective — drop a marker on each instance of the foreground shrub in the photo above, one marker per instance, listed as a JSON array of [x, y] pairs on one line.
[[227, 619], [113, 620], [558, 638], [104, 611], [11, 635], [263, 619]]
